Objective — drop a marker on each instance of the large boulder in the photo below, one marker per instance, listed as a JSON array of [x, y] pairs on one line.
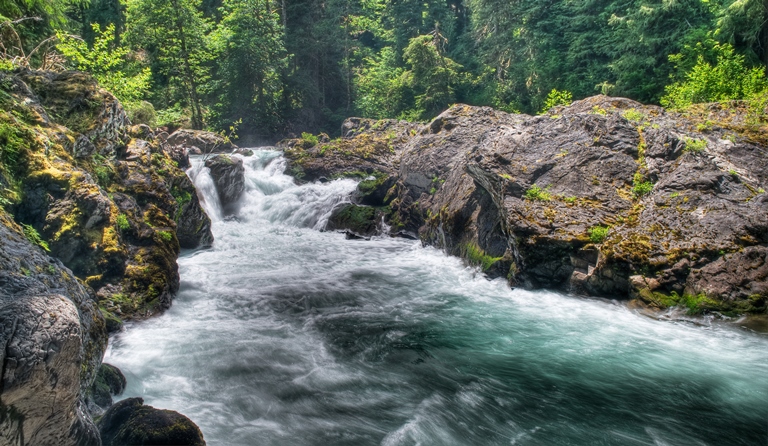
[[52, 338], [604, 197], [228, 176], [205, 142], [130, 422]]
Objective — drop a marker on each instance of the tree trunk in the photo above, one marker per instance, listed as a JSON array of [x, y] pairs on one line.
[[197, 114]]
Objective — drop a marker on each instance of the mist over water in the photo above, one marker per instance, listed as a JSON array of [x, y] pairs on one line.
[[285, 335]]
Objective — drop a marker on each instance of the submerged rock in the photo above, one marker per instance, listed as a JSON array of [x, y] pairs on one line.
[[228, 175], [130, 422], [604, 197]]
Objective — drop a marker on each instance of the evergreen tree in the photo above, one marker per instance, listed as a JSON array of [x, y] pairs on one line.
[[251, 57], [173, 32]]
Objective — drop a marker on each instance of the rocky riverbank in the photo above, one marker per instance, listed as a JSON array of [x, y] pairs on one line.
[[605, 197], [93, 214]]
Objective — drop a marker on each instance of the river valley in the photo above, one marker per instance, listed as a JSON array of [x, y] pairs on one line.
[[282, 334]]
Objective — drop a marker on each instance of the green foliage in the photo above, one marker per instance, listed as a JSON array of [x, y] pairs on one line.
[[556, 98], [34, 237], [108, 63], [122, 222], [166, 236], [309, 140], [719, 74], [536, 193], [633, 115], [477, 256], [13, 141], [641, 187], [172, 117], [248, 44], [175, 33], [693, 145], [597, 234]]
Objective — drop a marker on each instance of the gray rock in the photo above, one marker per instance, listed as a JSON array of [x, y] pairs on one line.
[[206, 142], [228, 176], [130, 422], [52, 337], [682, 212]]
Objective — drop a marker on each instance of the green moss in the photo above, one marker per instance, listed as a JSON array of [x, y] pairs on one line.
[[165, 235], [476, 256], [369, 186], [357, 218], [697, 303]]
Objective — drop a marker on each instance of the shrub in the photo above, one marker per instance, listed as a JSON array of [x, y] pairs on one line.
[[122, 222], [695, 145], [718, 74], [536, 193], [597, 234], [308, 140], [641, 187], [555, 98], [633, 115]]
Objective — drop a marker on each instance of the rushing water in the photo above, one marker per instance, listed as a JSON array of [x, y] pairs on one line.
[[285, 335]]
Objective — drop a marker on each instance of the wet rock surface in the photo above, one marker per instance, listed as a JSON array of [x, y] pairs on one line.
[[130, 422], [589, 198], [228, 176]]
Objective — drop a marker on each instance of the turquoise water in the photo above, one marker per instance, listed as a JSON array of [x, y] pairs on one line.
[[285, 335]]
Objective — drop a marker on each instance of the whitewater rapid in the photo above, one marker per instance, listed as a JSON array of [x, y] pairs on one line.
[[282, 334]]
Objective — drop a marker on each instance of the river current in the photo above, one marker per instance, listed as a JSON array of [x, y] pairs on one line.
[[282, 334]]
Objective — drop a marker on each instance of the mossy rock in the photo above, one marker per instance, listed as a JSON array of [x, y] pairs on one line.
[[130, 422], [359, 220], [109, 381]]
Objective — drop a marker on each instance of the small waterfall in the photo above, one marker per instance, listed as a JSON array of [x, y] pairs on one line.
[[206, 190], [272, 195]]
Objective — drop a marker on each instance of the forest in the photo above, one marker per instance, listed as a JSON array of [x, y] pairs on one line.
[[274, 68]]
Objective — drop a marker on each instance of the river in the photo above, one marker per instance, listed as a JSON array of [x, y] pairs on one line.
[[282, 334]]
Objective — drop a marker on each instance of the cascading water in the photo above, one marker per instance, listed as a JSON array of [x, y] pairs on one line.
[[285, 335]]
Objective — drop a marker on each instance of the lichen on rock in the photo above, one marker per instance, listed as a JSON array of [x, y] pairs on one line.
[[529, 191]]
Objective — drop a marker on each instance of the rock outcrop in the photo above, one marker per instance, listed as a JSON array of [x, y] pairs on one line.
[[130, 422], [199, 142], [117, 213], [52, 337], [93, 213], [228, 176], [605, 197]]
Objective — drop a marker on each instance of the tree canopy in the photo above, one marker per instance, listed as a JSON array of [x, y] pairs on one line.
[[289, 66]]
